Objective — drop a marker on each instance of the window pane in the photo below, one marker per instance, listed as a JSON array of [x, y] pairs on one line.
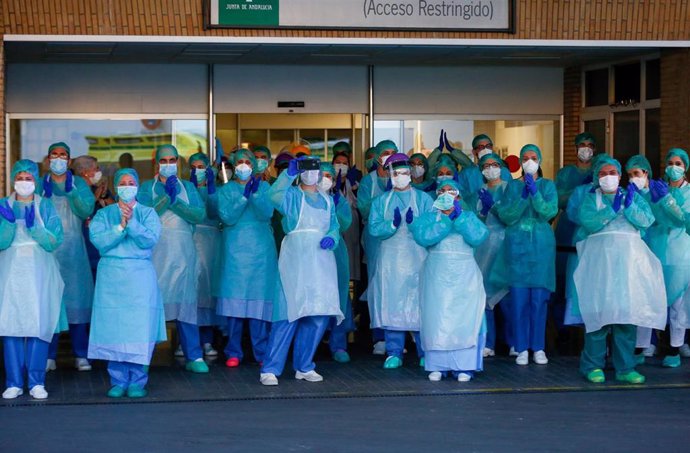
[[338, 135], [653, 84], [253, 137], [653, 138], [626, 135], [281, 138], [597, 87], [314, 137], [598, 129], [627, 88]]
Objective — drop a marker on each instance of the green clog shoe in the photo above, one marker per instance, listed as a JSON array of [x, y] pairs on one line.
[[671, 361], [392, 362], [197, 366], [596, 376], [134, 391], [632, 377], [116, 392]]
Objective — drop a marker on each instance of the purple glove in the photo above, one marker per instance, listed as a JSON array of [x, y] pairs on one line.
[[457, 210], [30, 216], [449, 147], [7, 213], [248, 188], [658, 190], [293, 167], [327, 243], [409, 216], [632, 189], [192, 178], [397, 218], [487, 201], [210, 181], [69, 182], [440, 140], [352, 175], [47, 186], [617, 201], [256, 184], [171, 188]]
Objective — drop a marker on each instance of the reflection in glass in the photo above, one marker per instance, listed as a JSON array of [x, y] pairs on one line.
[[626, 135], [598, 129], [653, 138]]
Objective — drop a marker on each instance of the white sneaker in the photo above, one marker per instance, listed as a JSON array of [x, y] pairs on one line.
[[38, 392], [684, 350], [464, 377], [435, 376], [178, 351], [12, 392], [488, 352], [268, 379], [513, 352], [650, 351], [209, 351], [379, 348], [82, 364], [309, 376], [522, 358], [51, 365], [540, 358]]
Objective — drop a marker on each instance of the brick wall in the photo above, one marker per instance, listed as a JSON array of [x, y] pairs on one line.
[[675, 100], [572, 104]]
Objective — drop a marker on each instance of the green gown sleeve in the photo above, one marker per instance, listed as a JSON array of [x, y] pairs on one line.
[[49, 235]]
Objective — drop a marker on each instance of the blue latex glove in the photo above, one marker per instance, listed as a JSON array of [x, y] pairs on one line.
[[449, 147], [487, 201], [171, 188], [219, 152], [327, 243], [69, 182], [532, 188], [661, 188], [248, 188], [192, 178], [617, 201], [47, 187], [588, 179], [210, 181], [7, 213], [653, 191], [457, 210], [352, 175], [293, 167], [632, 189], [256, 184], [338, 185], [30, 216], [397, 218], [409, 216], [440, 140]]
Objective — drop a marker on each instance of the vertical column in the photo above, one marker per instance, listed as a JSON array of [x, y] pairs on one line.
[[3, 152]]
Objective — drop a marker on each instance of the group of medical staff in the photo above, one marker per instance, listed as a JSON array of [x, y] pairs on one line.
[[446, 239]]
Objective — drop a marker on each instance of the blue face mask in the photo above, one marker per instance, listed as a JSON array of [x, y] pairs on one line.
[[127, 193], [168, 170], [200, 174], [58, 166], [243, 172], [261, 165], [675, 172], [444, 201]]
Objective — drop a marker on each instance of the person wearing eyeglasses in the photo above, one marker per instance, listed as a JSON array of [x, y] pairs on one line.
[[393, 294], [74, 202]]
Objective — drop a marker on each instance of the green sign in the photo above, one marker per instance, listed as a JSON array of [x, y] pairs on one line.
[[249, 13]]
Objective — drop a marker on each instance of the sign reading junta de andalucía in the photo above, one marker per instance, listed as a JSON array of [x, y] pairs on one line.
[[489, 15]]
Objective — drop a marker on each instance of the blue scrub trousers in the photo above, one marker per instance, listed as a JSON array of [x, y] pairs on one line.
[[338, 339], [124, 374], [377, 335], [25, 354], [307, 333], [206, 334], [395, 343], [506, 307], [490, 328], [189, 340], [258, 330], [79, 333], [529, 307]]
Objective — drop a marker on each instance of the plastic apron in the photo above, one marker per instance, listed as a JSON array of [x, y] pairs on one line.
[[618, 278], [74, 265], [174, 259], [352, 235], [487, 253], [394, 290], [207, 240], [452, 297], [370, 244], [31, 285], [308, 273]]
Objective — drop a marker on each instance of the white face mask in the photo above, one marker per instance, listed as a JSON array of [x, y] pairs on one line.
[[609, 183], [418, 171], [310, 177], [484, 152], [96, 178], [243, 171], [24, 188], [325, 184], [530, 167], [585, 154], [401, 181], [341, 168], [639, 181], [492, 173]]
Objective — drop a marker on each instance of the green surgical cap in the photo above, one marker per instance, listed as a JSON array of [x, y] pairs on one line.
[[534, 148], [384, 145], [449, 182], [328, 168], [677, 152], [25, 165], [370, 153], [199, 156], [585, 136], [166, 151], [480, 138], [265, 150], [445, 161], [125, 171], [639, 161], [492, 156], [342, 147], [62, 145], [601, 163], [243, 153]]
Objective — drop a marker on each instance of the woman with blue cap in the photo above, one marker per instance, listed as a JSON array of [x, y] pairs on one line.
[[30, 283], [452, 296], [180, 208], [308, 285], [207, 236], [74, 202], [393, 293], [128, 316], [248, 263], [527, 264]]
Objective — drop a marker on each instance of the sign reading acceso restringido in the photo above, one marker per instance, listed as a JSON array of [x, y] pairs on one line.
[[446, 15]]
